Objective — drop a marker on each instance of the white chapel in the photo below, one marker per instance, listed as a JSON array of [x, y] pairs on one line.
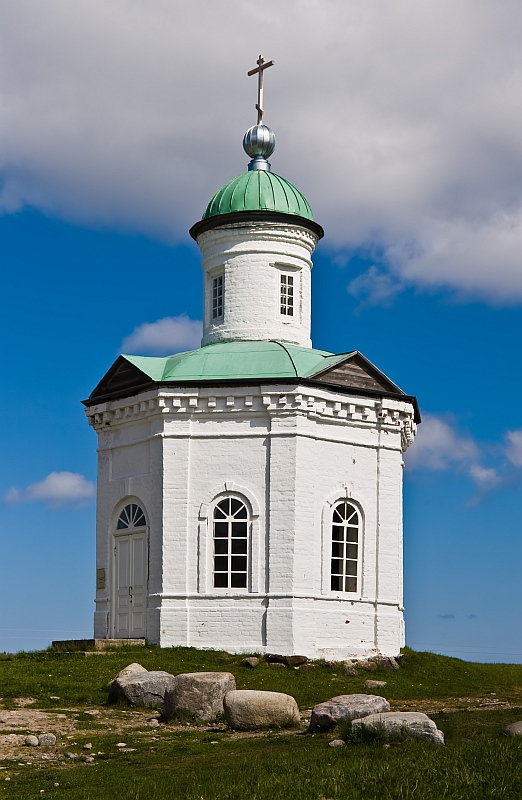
[[250, 492]]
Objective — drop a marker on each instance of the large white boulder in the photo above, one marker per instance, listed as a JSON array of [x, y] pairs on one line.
[[247, 709], [197, 694], [416, 723], [345, 708]]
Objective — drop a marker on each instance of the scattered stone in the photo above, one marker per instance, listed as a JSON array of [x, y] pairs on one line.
[[374, 684], [296, 661], [88, 759], [22, 702], [70, 755], [276, 665], [92, 712], [250, 710], [31, 741], [386, 663], [141, 688], [56, 784], [251, 662], [87, 746], [394, 663], [345, 708], [515, 729], [306, 667], [153, 723], [349, 668], [12, 739], [369, 666], [121, 744], [198, 695], [416, 723], [330, 665], [274, 658], [337, 743], [47, 740]]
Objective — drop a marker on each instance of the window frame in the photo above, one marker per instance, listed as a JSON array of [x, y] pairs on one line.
[[295, 274], [329, 507], [342, 542], [217, 297], [232, 516], [255, 569]]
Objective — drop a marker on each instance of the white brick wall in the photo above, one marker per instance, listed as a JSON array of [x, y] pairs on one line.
[[252, 257], [293, 460]]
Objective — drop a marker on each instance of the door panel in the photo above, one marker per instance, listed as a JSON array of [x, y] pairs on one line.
[[131, 586]]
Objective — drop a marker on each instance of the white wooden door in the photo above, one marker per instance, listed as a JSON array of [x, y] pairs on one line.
[[131, 586]]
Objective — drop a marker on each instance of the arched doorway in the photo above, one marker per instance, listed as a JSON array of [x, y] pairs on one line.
[[130, 574]]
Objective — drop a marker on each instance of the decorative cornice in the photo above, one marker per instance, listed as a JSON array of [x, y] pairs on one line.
[[382, 413]]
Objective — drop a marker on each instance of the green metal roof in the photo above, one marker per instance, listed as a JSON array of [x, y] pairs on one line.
[[258, 190], [237, 361]]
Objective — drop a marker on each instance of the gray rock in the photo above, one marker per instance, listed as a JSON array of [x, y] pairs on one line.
[[369, 666], [384, 663], [198, 695], [92, 712], [337, 743], [131, 669], [70, 755], [416, 723], [295, 661], [250, 710], [349, 668], [276, 665], [344, 708], [515, 729], [47, 740], [141, 688], [251, 662], [374, 684], [31, 741], [153, 722]]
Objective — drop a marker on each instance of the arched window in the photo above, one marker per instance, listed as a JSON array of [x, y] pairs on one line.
[[230, 544], [132, 516], [345, 547]]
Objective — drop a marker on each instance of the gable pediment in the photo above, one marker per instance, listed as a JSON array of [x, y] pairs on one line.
[[123, 378], [356, 372]]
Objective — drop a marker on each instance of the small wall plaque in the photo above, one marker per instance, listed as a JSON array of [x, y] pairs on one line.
[[100, 579]]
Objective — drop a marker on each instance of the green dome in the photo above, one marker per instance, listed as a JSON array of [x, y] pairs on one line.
[[258, 190]]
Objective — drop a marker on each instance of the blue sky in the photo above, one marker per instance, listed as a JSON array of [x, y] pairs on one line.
[[412, 161]]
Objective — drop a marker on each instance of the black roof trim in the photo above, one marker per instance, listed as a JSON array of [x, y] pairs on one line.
[[254, 216], [357, 392]]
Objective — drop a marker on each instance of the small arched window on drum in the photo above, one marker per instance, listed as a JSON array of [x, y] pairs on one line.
[[345, 547], [230, 544]]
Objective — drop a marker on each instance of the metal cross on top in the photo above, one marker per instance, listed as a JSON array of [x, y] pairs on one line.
[[261, 66]]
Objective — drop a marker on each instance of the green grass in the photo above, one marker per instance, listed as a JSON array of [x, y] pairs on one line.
[[193, 766], [171, 763], [80, 681]]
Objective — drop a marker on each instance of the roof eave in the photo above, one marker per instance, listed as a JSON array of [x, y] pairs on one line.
[[234, 217]]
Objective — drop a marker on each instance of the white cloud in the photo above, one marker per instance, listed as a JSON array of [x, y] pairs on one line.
[[399, 121], [375, 287], [514, 447], [439, 446], [57, 489], [164, 337]]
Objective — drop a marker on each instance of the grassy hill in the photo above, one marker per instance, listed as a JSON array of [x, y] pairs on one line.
[[469, 702]]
